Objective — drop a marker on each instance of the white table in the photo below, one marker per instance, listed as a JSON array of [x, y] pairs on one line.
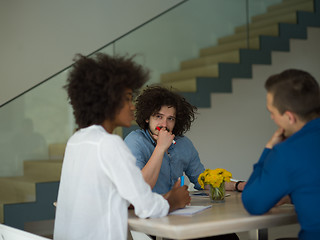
[[221, 218]]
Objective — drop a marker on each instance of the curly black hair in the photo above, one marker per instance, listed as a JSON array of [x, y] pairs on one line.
[[96, 86], [154, 97]]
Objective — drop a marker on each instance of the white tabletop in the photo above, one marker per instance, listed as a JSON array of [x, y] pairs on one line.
[[221, 218]]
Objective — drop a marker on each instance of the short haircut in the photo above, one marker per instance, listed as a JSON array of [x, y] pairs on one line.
[[154, 97], [96, 86], [297, 91]]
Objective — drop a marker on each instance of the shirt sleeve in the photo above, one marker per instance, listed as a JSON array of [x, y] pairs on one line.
[[119, 164], [138, 148], [195, 167], [268, 182]]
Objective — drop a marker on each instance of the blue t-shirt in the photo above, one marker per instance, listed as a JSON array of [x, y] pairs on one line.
[[292, 168], [181, 157]]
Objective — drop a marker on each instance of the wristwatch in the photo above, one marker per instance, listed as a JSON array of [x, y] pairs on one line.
[[236, 186]]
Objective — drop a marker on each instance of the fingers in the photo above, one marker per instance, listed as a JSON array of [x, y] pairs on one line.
[[164, 130], [276, 138], [164, 139], [284, 200], [183, 198], [178, 197], [177, 183], [155, 137]]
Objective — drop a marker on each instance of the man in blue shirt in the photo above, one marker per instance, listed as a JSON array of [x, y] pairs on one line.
[[163, 153], [289, 166], [164, 116], [162, 162]]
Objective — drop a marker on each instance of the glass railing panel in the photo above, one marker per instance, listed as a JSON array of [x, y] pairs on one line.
[[161, 45], [259, 23], [180, 35], [34, 121], [257, 7], [42, 116]]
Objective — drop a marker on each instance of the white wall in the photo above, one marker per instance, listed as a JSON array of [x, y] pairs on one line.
[[40, 37], [234, 131]]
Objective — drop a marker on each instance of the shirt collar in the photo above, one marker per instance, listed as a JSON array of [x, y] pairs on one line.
[[148, 135]]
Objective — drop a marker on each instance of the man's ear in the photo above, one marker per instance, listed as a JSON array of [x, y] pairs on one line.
[[147, 120], [292, 117]]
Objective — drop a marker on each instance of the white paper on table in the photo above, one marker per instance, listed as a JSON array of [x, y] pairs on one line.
[[189, 210]]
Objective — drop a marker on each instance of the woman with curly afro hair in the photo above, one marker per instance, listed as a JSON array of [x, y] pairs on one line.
[[99, 176]]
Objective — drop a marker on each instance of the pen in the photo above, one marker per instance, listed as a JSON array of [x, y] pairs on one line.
[[173, 141], [182, 181]]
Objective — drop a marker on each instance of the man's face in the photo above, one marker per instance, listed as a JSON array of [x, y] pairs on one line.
[[165, 118], [281, 120]]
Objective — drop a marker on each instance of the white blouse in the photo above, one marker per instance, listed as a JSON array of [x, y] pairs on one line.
[[99, 179]]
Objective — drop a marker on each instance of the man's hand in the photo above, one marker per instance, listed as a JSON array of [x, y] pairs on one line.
[[277, 137], [284, 200], [164, 139], [231, 186], [178, 197]]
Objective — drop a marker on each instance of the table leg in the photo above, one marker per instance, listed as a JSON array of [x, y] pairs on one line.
[[263, 234], [259, 234]]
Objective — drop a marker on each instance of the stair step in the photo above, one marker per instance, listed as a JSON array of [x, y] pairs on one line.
[[254, 43], [272, 30], [206, 71], [286, 4], [15, 190], [187, 85], [43, 170], [56, 150], [22, 189], [230, 57], [1, 213], [290, 17], [303, 6]]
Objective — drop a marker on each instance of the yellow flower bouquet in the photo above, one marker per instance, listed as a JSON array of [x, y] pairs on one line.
[[215, 179]]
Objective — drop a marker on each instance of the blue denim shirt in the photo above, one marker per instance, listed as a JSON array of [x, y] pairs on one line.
[[181, 157]]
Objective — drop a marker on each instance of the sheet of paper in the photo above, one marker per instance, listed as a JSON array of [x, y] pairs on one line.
[[189, 210]]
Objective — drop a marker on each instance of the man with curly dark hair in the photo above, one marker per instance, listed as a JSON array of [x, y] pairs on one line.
[[163, 153], [164, 117], [99, 176]]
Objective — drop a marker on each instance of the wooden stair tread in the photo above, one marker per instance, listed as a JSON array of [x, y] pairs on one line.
[[231, 57], [186, 85], [254, 43], [304, 6], [205, 71], [286, 3], [28, 179], [290, 17], [272, 30]]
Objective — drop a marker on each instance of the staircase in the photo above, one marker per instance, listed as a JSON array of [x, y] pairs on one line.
[[29, 197], [233, 56]]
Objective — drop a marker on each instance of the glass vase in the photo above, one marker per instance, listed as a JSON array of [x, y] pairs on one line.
[[217, 194]]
